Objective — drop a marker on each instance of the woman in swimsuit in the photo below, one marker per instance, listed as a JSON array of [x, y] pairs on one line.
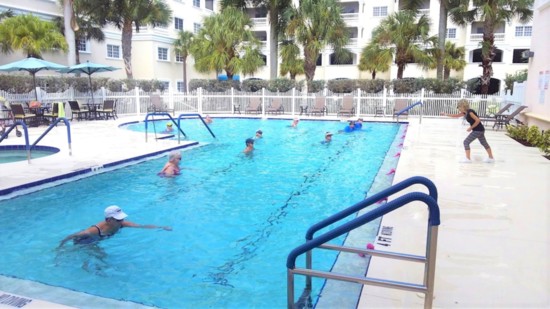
[[114, 221], [172, 167]]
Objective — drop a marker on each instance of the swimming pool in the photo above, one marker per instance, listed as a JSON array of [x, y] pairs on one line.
[[14, 153], [235, 217]]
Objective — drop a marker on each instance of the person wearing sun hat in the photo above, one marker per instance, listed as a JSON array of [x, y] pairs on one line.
[[328, 138], [114, 221], [169, 127]]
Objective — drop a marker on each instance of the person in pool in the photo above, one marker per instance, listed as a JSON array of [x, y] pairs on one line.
[[249, 146], [259, 134], [172, 167], [208, 120], [295, 122], [350, 127], [328, 138], [169, 128], [114, 221]]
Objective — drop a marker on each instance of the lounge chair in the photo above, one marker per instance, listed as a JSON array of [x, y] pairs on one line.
[[19, 113], [497, 114], [108, 110], [53, 114], [504, 120], [254, 106], [400, 104], [75, 110], [319, 107], [157, 105], [347, 107], [276, 107]]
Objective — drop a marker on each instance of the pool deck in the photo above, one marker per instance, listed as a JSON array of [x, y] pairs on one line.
[[494, 239]]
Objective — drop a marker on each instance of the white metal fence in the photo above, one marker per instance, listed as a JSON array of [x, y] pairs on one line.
[[136, 101]]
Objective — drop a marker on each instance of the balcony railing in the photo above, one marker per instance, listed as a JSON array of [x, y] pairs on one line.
[[260, 21], [350, 16], [479, 37]]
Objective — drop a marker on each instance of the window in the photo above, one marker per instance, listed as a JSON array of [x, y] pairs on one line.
[[319, 60], [113, 51], [180, 86], [164, 85], [178, 23], [162, 53], [179, 57], [451, 33], [82, 45], [477, 56], [196, 27], [197, 3], [344, 59], [524, 30], [209, 4], [380, 11], [518, 56]]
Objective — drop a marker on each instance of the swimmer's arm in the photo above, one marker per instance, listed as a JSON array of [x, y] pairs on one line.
[[86, 232], [145, 226]]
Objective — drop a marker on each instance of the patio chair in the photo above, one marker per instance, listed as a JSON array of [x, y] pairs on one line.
[[254, 106], [276, 107], [108, 110], [75, 110], [157, 105], [19, 113], [347, 107], [319, 107], [399, 106], [53, 114], [484, 120], [504, 120]]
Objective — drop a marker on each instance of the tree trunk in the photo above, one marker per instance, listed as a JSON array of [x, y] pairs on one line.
[[127, 32], [273, 50], [310, 63], [185, 74], [446, 73], [373, 74], [76, 53], [68, 15], [400, 70], [487, 55], [442, 36]]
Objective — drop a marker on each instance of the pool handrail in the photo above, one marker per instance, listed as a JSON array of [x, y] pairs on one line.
[[321, 241], [162, 114], [25, 133], [50, 127], [406, 109], [371, 200], [200, 117]]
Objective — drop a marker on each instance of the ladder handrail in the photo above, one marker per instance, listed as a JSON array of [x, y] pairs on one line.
[[54, 123], [434, 220], [200, 117], [371, 200], [408, 108], [162, 114], [26, 133]]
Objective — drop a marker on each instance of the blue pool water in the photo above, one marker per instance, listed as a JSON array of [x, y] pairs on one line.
[[14, 153], [235, 218]]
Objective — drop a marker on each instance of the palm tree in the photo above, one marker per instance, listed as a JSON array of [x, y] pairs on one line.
[[291, 63], [408, 36], [126, 14], [453, 59], [182, 46], [375, 59], [492, 13], [31, 35], [276, 24], [316, 24], [6, 14], [225, 42]]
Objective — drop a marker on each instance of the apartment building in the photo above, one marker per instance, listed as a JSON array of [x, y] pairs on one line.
[[153, 55]]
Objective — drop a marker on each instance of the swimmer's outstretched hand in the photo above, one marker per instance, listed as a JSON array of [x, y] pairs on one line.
[[166, 228]]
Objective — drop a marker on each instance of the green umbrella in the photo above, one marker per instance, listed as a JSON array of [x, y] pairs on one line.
[[88, 68], [31, 65]]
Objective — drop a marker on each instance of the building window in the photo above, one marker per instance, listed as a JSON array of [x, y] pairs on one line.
[[179, 57], [180, 86], [518, 56], [196, 27], [164, 85], [319, 60], [451, 33], [178, 23], [380, 11], [197, 3], [162, 53], [82, 46], [524, 30], [209, 5], [478, 57], [113, 51]]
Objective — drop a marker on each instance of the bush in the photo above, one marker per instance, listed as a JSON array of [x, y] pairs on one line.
[[518, 132], [253, 85], [372, 85], [341, 85], [315, 86], [406, 85], [214, 85], [281, 85], [544, 143], [534, 135]]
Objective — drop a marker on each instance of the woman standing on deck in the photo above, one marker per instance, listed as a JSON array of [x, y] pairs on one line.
[[476, 128]]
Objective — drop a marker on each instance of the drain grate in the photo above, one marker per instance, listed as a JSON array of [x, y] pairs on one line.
[[14, 301]]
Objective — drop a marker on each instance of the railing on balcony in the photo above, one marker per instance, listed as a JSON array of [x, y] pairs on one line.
[[352, 42], [350, 16], [260, 21], [479, 37]]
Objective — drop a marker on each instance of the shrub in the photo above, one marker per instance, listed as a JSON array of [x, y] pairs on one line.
[[316, 86], [372, 85], [544, 143], [341, 85], [115, 85], [281, 84], [253, 85], [406, 85], [518, 132], [534, 135]]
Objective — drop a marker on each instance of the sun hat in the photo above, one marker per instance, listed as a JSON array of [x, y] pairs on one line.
[[328, 134], [169, 124], [114, 211]]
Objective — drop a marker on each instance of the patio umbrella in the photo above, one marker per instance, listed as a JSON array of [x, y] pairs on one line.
[[31, 65], [88, 68]]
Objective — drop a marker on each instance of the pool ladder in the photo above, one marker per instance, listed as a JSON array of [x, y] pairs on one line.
[[178, 123], [427, 287]]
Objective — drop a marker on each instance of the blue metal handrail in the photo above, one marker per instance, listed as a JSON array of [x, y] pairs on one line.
[[371, 200], [408, 108], [200, 117], [26, 133], [162, 114], [50, 127]]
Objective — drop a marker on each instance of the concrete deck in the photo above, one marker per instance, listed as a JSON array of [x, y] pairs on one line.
[[494, 237]]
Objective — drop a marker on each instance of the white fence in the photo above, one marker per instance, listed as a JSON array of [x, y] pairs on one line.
[[136, 102]]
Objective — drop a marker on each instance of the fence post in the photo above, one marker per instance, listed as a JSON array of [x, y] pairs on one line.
[[263, 102], [136, 91], [358, 109], [38, 94], [199, 100], [171, 100], [103, 94], [384, 97], [293, 102], [421, 105]]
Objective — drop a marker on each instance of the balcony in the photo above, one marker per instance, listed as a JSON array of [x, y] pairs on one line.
[[352, 42], [479, 37], [350, 17], [259, 21]]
